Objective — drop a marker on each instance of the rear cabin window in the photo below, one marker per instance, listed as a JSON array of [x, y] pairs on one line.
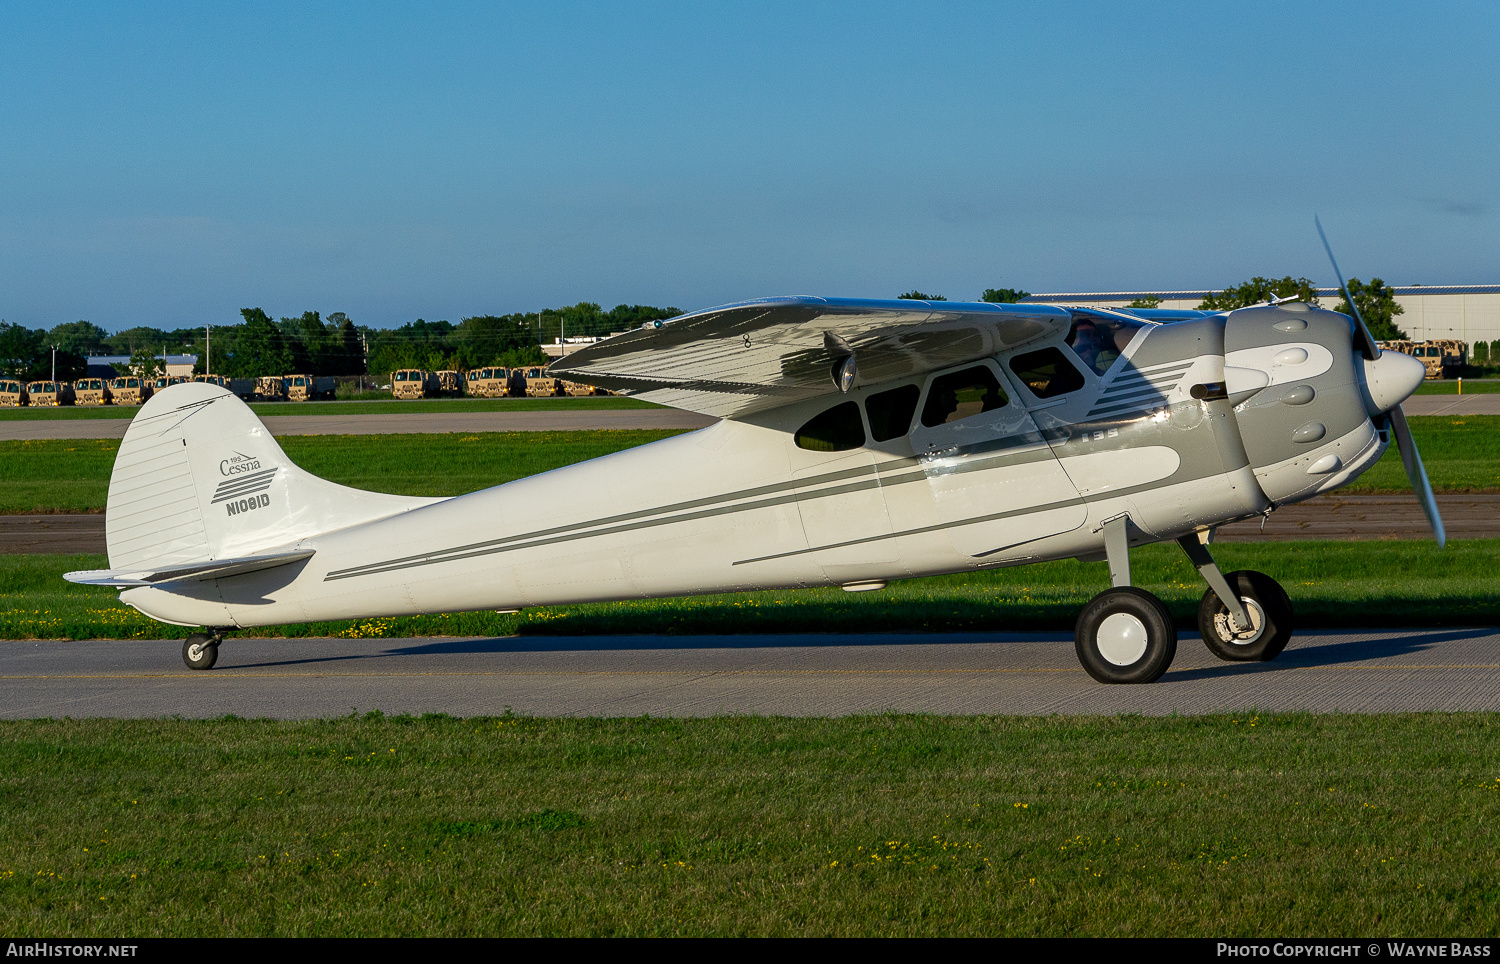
[[835, 430], [1047, 373], [890, 412], [961, 395]]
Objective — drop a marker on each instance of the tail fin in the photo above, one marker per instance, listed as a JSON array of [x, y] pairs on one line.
[[199, 479]]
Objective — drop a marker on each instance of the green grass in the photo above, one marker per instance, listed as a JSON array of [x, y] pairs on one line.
[[386, 406], [1449, 386], [1460, 452], [1241, 825], [1331, 584], [72, 475]]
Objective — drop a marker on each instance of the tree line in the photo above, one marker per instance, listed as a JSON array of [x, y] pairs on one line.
[[313, 345], [310, 344]]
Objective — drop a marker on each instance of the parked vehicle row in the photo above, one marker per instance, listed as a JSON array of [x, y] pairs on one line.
[[531, 382], [495, 382], [131, 390]]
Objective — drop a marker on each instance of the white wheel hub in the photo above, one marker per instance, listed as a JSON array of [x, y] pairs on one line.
[[1232, 634], [195, 652], [1122, 639]]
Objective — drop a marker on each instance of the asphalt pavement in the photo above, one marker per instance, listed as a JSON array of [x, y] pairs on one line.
[[694, 676]]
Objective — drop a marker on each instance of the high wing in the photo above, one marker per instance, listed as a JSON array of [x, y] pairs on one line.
[[758, 355]]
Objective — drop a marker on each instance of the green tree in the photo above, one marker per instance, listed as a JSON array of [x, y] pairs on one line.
[[1004, 296], [78, 337], [132, 340], [915, 295], [487, 339], [258, 348], [346, 354], [27, 355], [1149, 301], [1377, 306], [1258, 291], [144, 363]]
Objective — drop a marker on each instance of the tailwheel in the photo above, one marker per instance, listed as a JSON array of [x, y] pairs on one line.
[[1125, 635], [1270, 613], [200, 651]]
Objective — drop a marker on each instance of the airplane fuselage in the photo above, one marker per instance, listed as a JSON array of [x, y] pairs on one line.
[[1019, 457]]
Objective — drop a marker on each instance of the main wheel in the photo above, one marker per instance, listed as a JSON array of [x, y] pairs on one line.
[[1125, 635], [1270, 614], [200, 651]]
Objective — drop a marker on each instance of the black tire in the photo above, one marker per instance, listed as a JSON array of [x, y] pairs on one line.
[[1270, 618], [1137, 647], [200, 651]]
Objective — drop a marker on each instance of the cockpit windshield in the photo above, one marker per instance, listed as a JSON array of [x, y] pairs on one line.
[[1098, 339]]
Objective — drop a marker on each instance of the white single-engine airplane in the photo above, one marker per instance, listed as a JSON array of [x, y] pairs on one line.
[[860, 441]]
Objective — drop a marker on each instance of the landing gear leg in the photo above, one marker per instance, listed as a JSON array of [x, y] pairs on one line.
[[1124, 634], [201, 650], [1245, 616]]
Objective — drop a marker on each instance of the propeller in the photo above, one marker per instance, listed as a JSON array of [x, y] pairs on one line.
[[1404, 442]]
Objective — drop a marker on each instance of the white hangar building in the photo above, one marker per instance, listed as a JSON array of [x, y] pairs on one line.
[[1469, 313]]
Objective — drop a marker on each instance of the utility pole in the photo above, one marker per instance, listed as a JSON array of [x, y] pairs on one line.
[[208, 354], [54, 364]]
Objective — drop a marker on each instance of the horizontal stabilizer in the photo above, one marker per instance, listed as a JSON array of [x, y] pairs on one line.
[[193, 572]]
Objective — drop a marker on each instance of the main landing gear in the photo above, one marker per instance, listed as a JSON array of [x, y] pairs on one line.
[[1126, 635], [201, 650]]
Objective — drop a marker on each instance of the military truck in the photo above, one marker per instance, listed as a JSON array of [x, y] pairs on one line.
[[166, 381], [413, 383], [50, 394], [92, 391], [270, 388], [450, 383], [540, 384], [579, 388], [243, 387], [130, 390], [13, 393], [1442, 357], [308, 388], [488, 382]]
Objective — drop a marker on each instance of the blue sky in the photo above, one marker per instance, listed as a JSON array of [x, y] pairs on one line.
[[166, 164]]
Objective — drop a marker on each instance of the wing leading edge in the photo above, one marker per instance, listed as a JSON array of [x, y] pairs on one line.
[[758, 355]]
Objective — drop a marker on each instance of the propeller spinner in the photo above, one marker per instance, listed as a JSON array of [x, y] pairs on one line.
[[1391, 378]]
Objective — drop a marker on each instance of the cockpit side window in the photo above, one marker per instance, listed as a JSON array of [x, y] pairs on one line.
[[890, 412], [962, 394], [1100, 339], [1047, 373], [837, 429]]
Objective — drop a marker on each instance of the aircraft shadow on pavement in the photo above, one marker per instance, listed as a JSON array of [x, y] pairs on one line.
[[1306, 652], [621, 644]]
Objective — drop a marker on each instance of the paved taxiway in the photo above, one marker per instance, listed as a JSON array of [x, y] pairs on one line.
[[794, 675]]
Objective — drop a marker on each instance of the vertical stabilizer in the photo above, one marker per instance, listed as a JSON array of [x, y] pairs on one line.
[[199, 478]]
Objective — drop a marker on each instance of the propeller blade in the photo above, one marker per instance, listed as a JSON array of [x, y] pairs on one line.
[[1417, 474], [1365, 341]]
